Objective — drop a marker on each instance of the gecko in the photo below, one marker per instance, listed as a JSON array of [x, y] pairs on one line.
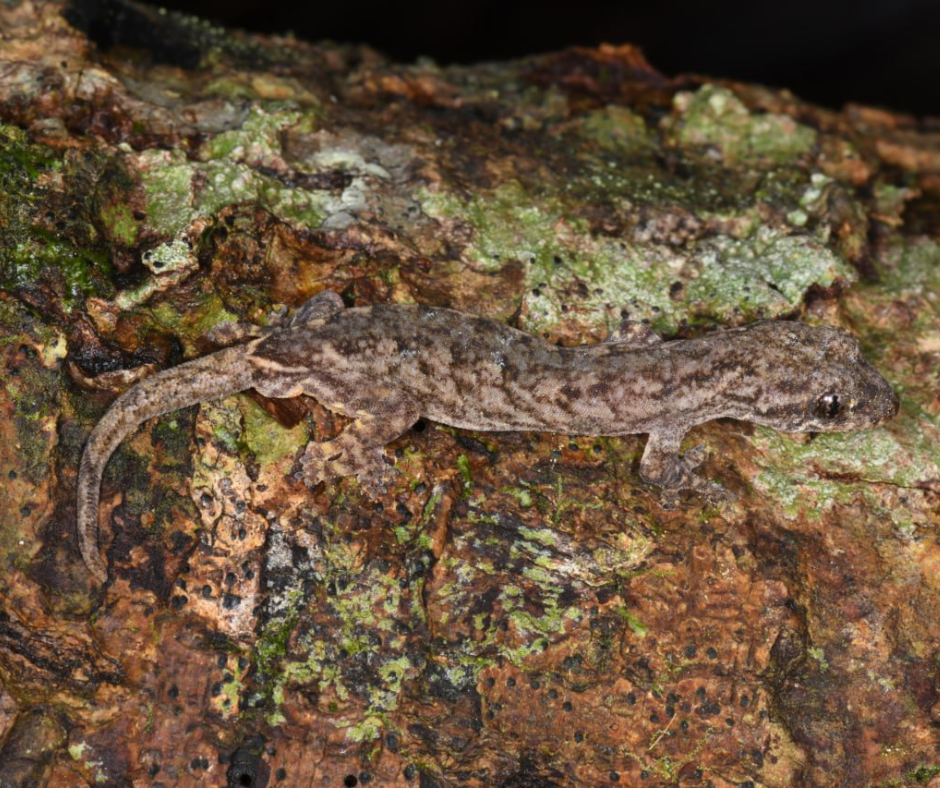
[[385, 367]]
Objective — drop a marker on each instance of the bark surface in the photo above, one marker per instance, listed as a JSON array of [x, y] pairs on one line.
[[518, 609]]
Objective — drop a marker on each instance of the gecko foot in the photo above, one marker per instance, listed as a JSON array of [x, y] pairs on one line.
[[676, 474], [335, 459], [713, 493]]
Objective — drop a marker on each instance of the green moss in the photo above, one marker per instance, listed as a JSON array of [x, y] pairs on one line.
[[637, 627], [40, 239], [233, 90], [522, 495], [466, 474], [924, 774], [890, 201], [121, 222], [31, 401], [557, 505], [35, 397]]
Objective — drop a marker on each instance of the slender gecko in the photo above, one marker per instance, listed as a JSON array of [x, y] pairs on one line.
[[387, 366]]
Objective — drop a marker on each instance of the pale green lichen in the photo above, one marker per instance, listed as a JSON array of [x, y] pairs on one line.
[[365, 730], [375, 602], [179, 189], [820, 656], [804, 497], [535, 609], [572, 276], [714, 117], [167, 178], [466, 473], [268, 441], [543, 536], [224, 420], [270, 647], [807, 478], [79, 753], [909, 273], [170, 257], [77, 750], [814, 196], [618, 129], [522, 495], [890, 201], [911, 266], [169, 263], [241, 166], [256, 139]]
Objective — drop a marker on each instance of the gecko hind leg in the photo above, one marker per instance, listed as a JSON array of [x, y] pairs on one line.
[[359, 449], [319, 307]]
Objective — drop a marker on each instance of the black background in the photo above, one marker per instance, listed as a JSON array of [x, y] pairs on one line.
[[880, 52]]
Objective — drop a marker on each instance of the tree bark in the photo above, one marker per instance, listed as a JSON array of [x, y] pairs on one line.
[[519, 609]]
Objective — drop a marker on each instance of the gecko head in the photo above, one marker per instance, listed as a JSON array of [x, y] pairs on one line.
[[822, 383]]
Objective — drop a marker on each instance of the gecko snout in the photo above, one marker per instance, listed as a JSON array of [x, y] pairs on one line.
[[881, 404], [891, 403]]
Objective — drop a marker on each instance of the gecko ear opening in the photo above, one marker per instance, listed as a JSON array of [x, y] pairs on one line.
[[828, 406]]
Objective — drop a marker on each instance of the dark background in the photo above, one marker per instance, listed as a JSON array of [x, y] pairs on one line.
[[880, 52]]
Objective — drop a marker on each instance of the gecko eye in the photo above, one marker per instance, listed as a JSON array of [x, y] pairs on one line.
[[828, 406]]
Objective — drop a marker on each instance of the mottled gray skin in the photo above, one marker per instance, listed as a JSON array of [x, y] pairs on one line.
[[388, 366]]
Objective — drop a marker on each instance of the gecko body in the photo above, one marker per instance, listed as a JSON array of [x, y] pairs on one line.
[[388, 366]]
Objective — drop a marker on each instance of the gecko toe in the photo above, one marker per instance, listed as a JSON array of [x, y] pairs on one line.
[[694, 457], [715, 494], [327, 462], [376, 481]]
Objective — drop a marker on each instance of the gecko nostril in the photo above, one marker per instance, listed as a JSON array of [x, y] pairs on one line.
[[894, 404]]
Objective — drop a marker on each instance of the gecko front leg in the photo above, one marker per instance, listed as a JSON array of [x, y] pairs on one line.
[[359, 449], [664, 466]]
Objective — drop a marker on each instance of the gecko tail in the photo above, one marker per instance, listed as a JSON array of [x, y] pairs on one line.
[[210, 377]]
